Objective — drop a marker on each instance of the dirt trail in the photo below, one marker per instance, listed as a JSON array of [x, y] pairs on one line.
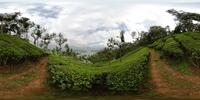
[[21, 73], [36, 85], [193, 79], [162, 86]]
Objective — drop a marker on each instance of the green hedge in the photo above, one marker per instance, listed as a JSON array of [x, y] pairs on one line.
[[128, 75], [192, 46], [183, 45], [194, 35], [13, 50], [172, 48]]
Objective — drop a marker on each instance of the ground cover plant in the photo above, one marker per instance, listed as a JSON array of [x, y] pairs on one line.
[[14, 50], [125, 75]]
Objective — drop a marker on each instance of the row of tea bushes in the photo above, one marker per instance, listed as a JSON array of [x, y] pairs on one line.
[[181, 46], [14, 50], [128, 75]]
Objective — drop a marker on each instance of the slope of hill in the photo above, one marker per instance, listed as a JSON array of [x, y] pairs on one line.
[[184, 46], [14, 50], [125, 75]]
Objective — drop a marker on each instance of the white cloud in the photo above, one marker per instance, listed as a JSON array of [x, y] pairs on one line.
[[90, 23]]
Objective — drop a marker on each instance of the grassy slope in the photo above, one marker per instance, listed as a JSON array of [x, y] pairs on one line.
[[125, 75], [13, 49], [181, 46], [75, 64]]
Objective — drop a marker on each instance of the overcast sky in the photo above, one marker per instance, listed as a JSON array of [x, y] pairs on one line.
[[89, 23]]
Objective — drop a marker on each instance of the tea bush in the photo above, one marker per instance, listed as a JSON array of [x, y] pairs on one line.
[[14, 50], [128, 75], [172, 48], [183, 45], [191, 46]]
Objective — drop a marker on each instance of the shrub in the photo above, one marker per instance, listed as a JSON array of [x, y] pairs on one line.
[[194, 35], [128, 75], [172, 48], [184, 45], [14, 50]]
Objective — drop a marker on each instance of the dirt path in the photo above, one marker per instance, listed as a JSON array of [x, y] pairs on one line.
[[174, 73], [164, 87], [20, 73], [36, 84], [157, 80]]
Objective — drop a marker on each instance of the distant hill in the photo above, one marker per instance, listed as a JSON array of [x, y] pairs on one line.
[[14, 50]]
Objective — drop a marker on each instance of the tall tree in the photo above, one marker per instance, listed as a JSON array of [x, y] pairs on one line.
[[156, 32], [122, 36], [37, 33], [14, 23], [185, 21], [46, 40], [60, 40]]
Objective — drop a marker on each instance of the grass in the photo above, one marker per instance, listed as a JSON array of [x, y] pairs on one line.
[[173, 81], [171, 47], [188, 43], [14, 50], [12, 69], [194, 35], [181, 66], [67, 62], [178, 47], [127, 74], [12, 84]]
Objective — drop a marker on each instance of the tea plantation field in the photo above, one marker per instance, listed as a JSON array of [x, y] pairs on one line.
[[126, 75], [15, 50]]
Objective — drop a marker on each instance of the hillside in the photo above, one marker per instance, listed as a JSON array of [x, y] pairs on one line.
[[15, 50], [184, 46], [168, 69], [125, 75]]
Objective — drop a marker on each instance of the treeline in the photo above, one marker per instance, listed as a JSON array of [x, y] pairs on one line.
[[22, 27], [186, 22]]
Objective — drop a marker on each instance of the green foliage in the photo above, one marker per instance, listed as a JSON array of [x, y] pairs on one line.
[[194, 35], [188, 42], [186, 21], [172, 48], [181, 45], [182, 66], [128, 75], [13, 50], [159, 43]]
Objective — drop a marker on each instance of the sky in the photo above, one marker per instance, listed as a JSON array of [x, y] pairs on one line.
[[89, 23]]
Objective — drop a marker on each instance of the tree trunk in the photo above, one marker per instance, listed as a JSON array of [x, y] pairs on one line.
[[35, 42]]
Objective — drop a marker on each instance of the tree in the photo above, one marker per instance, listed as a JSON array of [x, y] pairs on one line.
[[37, 33], [122, 36], [46, 40], [9, 22], [14, 23], [185, 21], [60, 40], [24, 25], [133, 34], [112, 43], [156, 32], [1, 22]]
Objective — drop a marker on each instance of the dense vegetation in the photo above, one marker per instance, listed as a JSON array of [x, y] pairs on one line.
[[128, 75], [121, 66], [181, 46], [14, 50]]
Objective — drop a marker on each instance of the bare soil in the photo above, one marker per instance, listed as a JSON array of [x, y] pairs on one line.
[[36, 85], [163, 87]]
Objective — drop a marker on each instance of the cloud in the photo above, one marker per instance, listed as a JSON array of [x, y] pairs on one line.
[[44, 10], [90, 23]]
